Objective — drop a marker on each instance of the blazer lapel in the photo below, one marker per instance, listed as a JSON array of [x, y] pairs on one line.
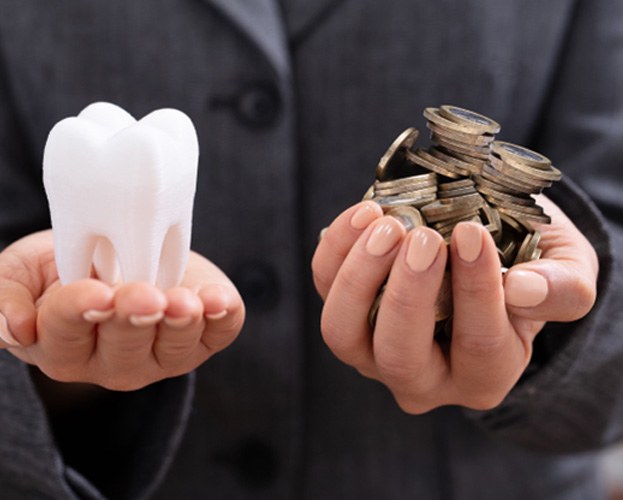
[[302, 16], [262, 22]]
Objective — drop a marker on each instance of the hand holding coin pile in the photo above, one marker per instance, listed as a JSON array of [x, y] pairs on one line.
[[465, 175]]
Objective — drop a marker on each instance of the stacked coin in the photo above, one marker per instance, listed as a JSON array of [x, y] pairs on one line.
[[465, 175]]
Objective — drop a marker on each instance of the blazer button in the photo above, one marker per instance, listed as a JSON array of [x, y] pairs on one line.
[[259, 105], [258, 284]]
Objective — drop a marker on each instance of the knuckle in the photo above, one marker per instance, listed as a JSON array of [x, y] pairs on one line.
[[174, 349], [584, 297], [395, 369], [344, 346], [481, 345], [474, 288], [333, 336], [322, 279], [355, 281], [400, 299]]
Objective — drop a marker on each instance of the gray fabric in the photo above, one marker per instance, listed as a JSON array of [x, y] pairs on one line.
[[276, 415]]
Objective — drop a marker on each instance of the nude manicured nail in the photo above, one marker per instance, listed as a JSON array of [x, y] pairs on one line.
[[384, 237], [468, 240], [525, 288], [423, 249], [5, 333], [143, 320], [364, 215], [218, 315], [95, 316]]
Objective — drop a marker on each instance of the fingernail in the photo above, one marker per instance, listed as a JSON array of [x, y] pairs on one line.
[[5, 333], [142, 320], [384, 237], [423, 249], [218, 315], [364, 215], [468, 241], [95, 316], [181, 322], [525, 288]]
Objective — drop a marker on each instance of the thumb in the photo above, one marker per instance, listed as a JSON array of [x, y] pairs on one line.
[[562, 286], [550, 290]]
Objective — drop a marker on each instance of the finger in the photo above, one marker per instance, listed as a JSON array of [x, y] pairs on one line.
[[66, 335], [180, 331], [125, 341], [25, 270], [224, 315], [409, 361], [200, 271], [337, 241], [344, 321], [184, 307], [487, 356]]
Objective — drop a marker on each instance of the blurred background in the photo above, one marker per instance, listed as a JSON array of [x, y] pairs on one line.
[[612, 469]]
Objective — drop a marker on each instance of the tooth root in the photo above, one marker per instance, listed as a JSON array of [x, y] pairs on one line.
[[105, 261], [138, 258], [121, 194], [173, 258], [73, 260]]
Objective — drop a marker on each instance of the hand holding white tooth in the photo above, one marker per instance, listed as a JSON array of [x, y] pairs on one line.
[[121, 194]]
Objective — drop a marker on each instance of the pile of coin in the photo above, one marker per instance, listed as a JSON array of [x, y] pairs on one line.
[[464, 175]]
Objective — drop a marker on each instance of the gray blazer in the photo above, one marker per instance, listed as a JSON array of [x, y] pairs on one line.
[[294, 104]]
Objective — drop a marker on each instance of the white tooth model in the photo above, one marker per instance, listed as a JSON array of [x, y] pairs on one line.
[[121, 194]]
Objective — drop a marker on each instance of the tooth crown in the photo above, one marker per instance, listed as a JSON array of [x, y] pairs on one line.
[[121, 194]]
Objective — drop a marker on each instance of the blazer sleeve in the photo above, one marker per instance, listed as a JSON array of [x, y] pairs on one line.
[[571, 396], [115, 445]]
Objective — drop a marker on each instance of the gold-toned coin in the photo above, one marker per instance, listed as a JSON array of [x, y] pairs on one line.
[[413, 181], [538, 177], [519, 154], [374, 310], [369, 194], [409, 216], [426, 183], [491, 220], [527, 248], [434, 115], [413, 198], [437, 211], [497, 197], [391, 162], [472, 139], [519, 226], [443, 304], [428, 161], [490, 173], [469, 118], [538, 218], [472, 166], [478, 152]]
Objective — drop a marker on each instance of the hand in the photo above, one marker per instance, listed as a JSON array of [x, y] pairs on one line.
[[495, 319], [122, 337]]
